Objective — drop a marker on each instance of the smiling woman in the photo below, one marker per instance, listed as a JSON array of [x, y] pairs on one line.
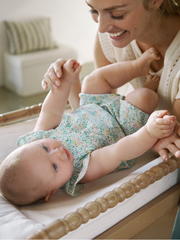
[[125, 39], [119, 20], [128, 28]]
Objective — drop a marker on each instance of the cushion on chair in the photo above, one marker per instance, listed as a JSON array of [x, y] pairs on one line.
[[29, 36]]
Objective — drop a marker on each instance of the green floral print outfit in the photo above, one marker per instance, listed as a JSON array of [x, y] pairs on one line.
[[101, 120]]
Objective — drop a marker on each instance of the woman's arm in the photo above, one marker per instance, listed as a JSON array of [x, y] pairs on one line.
[[176, 109], [99, 58]]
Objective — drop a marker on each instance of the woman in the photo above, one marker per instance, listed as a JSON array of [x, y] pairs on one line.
[[126, 28]]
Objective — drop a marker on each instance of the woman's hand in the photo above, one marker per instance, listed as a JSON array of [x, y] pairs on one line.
[[171, 144], [53, 75]]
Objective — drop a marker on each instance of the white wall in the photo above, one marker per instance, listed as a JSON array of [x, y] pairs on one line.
[[70, 19]]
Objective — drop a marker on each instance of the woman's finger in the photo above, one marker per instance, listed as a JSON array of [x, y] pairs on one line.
[[173, 149], [49, 81], [51, 75], [57, 66], [44, 84], [164, 154]]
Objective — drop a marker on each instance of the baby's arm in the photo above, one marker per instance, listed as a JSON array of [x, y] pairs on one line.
[[52, 78], [105, 160], [55, 103]]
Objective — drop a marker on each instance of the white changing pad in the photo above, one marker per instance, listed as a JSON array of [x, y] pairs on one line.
[[21, 222]]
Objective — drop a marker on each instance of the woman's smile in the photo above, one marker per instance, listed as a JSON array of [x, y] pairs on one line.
[[117, 34]]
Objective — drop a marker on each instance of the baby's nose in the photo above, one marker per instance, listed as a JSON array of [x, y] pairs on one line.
[[59, 150]]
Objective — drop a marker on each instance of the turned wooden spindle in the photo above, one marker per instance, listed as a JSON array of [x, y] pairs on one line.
[[166, 168], [112, 198], [144, 180], [91, 210], [121, 193], [20, 114], [152, 176], [128, 188], [137, 184], [84, 214], [172, 163], [104, 204], [159, 171], [74, 220]]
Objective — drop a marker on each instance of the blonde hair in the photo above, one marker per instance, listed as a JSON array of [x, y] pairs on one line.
[[16, 181], [168, 7]]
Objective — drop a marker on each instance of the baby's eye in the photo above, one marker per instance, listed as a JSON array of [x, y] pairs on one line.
[[46, 148], [55, 167]]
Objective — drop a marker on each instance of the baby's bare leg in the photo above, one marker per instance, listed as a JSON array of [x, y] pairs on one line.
[[143, 98], [152, 82], [144, 61]]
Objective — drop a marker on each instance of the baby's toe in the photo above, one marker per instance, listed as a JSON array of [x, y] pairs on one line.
[[156, 79]]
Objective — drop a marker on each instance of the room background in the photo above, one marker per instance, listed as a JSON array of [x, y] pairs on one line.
[[71, 23]]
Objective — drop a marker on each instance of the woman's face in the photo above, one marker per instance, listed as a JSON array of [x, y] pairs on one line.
[[123, 20]]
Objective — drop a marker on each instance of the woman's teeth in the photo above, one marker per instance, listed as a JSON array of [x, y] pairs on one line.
[[116, 34]]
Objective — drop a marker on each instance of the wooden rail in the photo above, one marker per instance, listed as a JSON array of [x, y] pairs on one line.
[[20, 114], [74, 220]]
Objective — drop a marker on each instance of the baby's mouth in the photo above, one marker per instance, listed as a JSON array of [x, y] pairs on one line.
[[67, 153]]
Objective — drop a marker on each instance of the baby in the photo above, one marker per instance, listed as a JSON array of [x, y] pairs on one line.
[[103, 135]]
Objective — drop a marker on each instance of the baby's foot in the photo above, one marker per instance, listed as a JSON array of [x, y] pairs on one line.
[[145, 60], [152, 82]]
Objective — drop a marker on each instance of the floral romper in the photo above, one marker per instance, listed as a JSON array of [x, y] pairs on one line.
[[101, 120]]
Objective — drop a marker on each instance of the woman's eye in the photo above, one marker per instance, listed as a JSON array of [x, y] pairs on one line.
[[46, 148], [93, 11], [117, 18], [54, 166]]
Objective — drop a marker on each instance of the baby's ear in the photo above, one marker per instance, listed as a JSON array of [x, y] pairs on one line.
[[50, 195]]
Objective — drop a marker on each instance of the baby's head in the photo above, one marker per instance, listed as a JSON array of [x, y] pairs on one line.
[[34, 171]]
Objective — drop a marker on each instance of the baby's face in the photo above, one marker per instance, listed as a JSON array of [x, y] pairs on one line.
[[50, 161]]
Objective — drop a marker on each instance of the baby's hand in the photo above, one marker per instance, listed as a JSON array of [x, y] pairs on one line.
[[71, 70], [161, 125]]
